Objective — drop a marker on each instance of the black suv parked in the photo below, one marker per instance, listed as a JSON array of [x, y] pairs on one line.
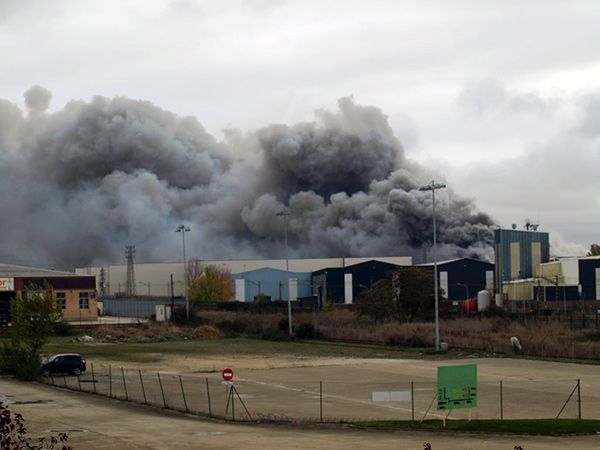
[[71, 363]]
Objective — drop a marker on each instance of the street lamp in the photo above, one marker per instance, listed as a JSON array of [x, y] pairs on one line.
[[432, 187], [183, 229], [285, 212]]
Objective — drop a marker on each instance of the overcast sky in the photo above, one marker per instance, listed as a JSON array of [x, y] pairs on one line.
[[501, 97]]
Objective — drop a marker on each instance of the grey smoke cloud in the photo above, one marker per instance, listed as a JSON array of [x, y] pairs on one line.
[[88, 179], [37, 99]]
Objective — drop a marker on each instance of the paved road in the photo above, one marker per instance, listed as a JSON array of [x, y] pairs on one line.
[[100, 423]]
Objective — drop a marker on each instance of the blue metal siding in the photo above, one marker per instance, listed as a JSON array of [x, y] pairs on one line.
[[273, 283], [463, 272], [467, 272], [587, 278], [364, 275], [556, 293], [525, 238]]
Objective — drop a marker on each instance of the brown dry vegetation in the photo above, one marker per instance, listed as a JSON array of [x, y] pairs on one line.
[[538, 338]]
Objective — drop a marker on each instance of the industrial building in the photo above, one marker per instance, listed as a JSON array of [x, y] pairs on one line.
[[344, 284], [463, 278], [76, 294], [162, 279], [273, 283], [519, 253], [558, 285]]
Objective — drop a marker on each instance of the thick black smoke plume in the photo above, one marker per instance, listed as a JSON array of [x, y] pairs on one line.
[[82, 182]]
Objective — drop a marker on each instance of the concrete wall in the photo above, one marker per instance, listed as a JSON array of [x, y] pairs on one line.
[[141, 308]]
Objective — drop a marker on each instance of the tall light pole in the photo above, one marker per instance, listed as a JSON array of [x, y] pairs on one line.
[[182, 229], [432, 187], [285, 213]]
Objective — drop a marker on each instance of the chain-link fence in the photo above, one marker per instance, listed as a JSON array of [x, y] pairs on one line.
[[293, 398]]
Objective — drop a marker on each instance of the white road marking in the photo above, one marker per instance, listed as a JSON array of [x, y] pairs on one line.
[[338, 397]]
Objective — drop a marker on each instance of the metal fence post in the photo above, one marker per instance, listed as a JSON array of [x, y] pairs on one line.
[[143, 389], [208, 396], [321, 401], [109, 381], [124, 384], [412, 401], [161, 390], [79, 382], [579, 399], [183, 394], [232, 404], [93, 378], [501, 402]]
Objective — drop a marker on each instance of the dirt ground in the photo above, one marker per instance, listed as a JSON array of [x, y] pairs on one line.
[[99, 423], [289, 388]]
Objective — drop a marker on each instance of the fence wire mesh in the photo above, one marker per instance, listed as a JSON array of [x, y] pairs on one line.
[[287, 396]]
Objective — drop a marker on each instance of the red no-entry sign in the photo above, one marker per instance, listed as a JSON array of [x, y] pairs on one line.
[[227, 374]]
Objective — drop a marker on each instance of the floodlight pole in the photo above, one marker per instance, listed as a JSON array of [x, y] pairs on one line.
[[285, 213], [432, 187], [182, 229]]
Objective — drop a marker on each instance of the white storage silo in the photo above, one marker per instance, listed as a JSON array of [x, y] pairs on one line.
[[484, 300]]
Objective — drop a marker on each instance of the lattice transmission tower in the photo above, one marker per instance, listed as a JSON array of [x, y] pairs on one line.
[[130, 254], [102, 282]]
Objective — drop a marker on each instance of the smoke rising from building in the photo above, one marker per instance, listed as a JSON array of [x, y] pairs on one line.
[[82, 182]]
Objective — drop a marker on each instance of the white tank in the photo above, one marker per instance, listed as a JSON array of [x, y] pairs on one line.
[[500, 300], [483, 300]]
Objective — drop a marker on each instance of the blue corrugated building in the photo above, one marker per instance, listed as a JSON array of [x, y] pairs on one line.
[[589, 278], [462, 278], [519, 254], [334, 283], [271, 282]]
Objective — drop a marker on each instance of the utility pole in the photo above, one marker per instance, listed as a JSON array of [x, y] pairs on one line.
[[285, 213], [172, 295], [432, 187], [183, 229]]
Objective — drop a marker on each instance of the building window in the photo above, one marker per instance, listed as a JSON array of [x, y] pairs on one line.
[[61, 300], [84, 300]]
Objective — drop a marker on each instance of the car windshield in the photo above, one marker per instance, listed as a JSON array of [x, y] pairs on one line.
[[52, 358]]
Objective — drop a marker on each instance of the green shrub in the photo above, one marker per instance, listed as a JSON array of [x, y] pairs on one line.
[[283, 324], [307, 330], [261, 299], [495, 311], [403, 341], [328, 306], [276, 334], [395, 340], [416, 341], [23, 364]]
